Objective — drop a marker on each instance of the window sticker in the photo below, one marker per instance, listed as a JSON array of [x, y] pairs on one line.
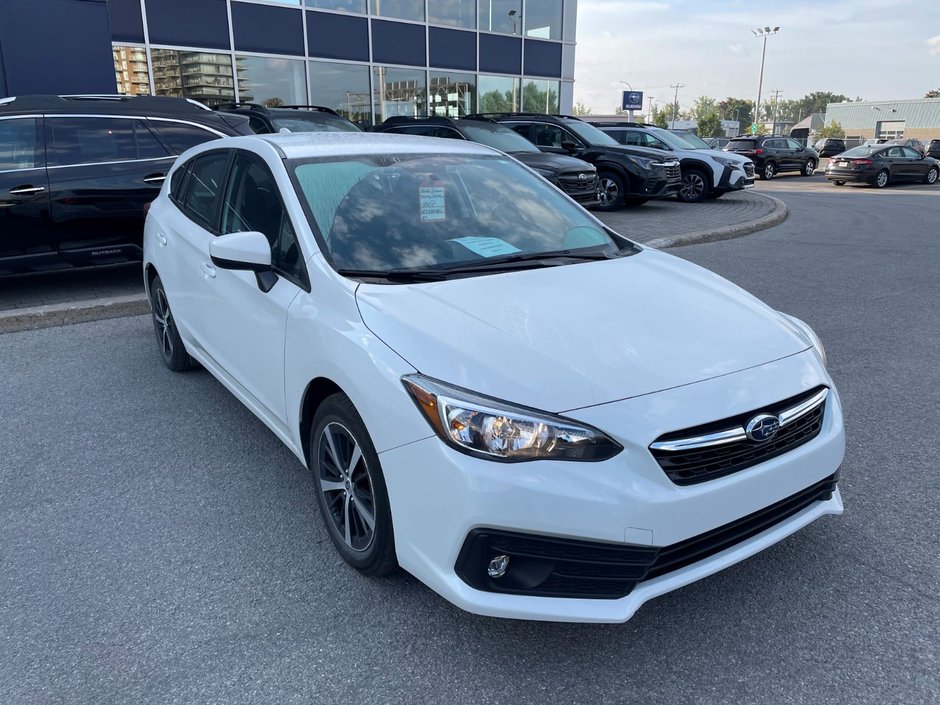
[[487, 246], [432, 203]]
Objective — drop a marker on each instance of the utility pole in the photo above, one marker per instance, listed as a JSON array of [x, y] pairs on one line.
[[762, 32], [675, 103], [774, 115], [649, 112]]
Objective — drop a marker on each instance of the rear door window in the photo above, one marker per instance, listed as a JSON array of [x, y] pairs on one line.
[[911, 153], [179, 136], [741, 144], [21, 144], [204, 191], [94, 140]]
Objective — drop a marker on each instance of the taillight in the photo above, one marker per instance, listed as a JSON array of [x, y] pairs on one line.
[[861, 162], [758, 151]]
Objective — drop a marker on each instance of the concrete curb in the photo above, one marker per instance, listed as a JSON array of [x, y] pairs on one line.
[[73, 312], [775, 217]]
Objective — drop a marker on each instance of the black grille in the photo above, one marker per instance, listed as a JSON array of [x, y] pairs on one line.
[[673, 173], [688, 467], [577, 188], [553, 567], [749, 169]]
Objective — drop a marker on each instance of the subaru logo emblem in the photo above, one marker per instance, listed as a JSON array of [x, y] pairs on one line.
[[762, 427], [583, 177]]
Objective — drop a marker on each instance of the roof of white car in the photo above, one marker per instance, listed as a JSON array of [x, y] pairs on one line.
[[328, 144]]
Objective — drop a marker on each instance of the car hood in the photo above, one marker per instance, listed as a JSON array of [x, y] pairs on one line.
[[724, 155], [659, 155], [573, 336], [554, 162]]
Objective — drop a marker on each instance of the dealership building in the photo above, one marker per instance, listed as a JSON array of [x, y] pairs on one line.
[[367, 59], [888, 119]]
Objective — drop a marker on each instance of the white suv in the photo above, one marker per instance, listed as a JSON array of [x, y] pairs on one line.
[[440, 335], [706, 172]]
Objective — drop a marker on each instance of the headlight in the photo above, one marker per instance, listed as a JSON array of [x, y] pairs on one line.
[[810, 335], [547, 173], [731, 163], [497, 430]]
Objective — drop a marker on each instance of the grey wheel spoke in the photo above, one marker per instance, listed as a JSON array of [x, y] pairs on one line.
[[366, 515], [354, 461], [346, 534], [331, 486], [335, 456]]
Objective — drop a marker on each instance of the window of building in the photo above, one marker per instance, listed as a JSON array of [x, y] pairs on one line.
[[454, 13], [200, 75], [92, 140], [499, 94], [179, 136], [399, 92], [452, 94], [503, 16], [402, 9], [339, 5], [271, 82], [131, 70], [342, 87], [20, 144], [205, 187], [543, 19], [540, 96], [252, 204]]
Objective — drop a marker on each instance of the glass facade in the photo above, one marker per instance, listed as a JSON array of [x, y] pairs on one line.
[[469, 56]]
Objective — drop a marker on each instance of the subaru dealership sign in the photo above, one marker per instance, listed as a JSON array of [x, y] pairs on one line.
[[632, 100]]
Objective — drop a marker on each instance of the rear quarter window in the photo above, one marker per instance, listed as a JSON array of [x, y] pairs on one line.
[[179, 137]]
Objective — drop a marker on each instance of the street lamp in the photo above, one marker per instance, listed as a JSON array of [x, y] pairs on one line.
[[762, 32]]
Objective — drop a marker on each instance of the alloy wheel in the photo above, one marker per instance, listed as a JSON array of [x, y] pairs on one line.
[[693, 186], [609, 191], [932, 176], [346, 486], [769, 171], [882, 179], [810, 167], [163, 318]]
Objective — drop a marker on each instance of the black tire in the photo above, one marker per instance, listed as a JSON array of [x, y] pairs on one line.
[[354, 494], [839, 183], [768, 171], [932, 174], [634, 201], [882, 178], [612, 191], [809, 168], [695, 186], [172, 351]]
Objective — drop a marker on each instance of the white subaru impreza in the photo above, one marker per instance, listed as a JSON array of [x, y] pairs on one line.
[[533, 415]]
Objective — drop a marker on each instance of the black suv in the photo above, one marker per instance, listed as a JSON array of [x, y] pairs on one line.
[[829, 146], [631, 175], [296, 118], [933, 149], [573, 176], [77, 171], [774, 155]]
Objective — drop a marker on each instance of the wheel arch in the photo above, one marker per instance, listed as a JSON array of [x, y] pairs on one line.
[[317, 391], [689, 163], [150, 273]]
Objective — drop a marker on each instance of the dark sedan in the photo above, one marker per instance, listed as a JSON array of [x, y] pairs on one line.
[[880, 165]]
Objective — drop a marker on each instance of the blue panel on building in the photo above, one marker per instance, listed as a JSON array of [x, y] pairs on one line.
[[398, 43], [189, 23], [542, 58], [127, 22], [452, 49], [500, 54], [337, 36], [70, 55], [266, 29]]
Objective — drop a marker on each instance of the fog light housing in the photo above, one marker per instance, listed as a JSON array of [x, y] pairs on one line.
[[498, 566]]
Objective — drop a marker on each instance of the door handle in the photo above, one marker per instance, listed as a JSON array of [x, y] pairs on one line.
[[155, 178], [26, 190], [161, 239], [208, 270]]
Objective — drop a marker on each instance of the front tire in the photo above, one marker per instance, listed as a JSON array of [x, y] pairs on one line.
[[351, 489], [810, 167], [932, 175], [882, 179], [768, 172], [694, 188], [172, 352], [839, 183], [611, 192]]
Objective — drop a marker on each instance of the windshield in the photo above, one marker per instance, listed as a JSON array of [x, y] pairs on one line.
[[863, 151], [740, 144], [379, 213], [591, 134], [693, 139], [497, 137], [677, 140], [314, 123]]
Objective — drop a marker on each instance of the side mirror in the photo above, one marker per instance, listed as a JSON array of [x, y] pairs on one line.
[[248, 252], [569, 146]]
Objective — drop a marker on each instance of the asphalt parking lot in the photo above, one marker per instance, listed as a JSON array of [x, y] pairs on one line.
[[159, 545]]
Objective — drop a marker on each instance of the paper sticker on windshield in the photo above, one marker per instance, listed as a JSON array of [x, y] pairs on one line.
[[487, 246], [432, 203]]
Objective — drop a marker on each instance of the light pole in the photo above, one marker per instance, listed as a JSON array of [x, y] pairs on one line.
[[649, 112], [675, 103], [762, 32]]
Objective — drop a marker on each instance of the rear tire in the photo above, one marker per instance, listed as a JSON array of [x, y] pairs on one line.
[[611, 193], [810, 168], [839, 183], [932, 175], [694, 187], [350, 488], [768, 172], [881, 179], [172, 351]]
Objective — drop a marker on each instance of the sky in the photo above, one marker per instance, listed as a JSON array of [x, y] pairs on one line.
[[875, 49]]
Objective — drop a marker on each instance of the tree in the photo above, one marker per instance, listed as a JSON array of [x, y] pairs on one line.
[[273, 102], [833, 129], [703, 107], [497, 102], [709, 125], [581, 109], [660, 117], [739, 109], [934, 93], [535, 100]]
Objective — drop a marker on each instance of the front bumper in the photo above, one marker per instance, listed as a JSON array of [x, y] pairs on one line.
[[736, 179], [440, 496]]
